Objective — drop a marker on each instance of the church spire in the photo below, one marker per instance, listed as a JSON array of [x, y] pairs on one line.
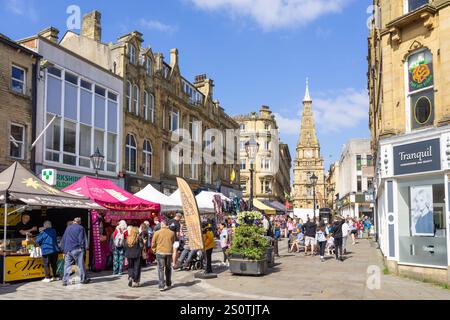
[[307, 96]]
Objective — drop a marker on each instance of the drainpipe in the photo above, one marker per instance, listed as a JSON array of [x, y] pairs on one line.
[[35, 76]]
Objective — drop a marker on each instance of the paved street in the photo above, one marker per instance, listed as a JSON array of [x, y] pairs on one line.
[[294, 277]]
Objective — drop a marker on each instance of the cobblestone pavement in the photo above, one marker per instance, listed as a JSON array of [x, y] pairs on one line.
[[295, 276]]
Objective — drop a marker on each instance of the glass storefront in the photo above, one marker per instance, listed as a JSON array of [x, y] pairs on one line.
[[421, 221]]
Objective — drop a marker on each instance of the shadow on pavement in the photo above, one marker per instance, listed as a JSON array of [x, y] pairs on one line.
[[185, 284]]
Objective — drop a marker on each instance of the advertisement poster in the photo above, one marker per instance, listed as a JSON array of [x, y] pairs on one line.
[[422, 221]]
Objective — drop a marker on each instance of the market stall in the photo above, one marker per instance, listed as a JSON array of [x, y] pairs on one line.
[[278, 206], [263, 207], [22, 192], [119, 205], [167, 204]]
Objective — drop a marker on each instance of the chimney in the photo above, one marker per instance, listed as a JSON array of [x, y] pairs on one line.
[[91, 26], [51, 33], [204, 85], [173, 57]]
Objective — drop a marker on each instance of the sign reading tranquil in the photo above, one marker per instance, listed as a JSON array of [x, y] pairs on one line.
[[417, 157]]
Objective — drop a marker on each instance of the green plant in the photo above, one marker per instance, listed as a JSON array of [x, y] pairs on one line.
[[386, 271], [248, 240]]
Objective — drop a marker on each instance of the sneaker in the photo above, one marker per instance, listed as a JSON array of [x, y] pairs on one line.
[[46, 280], [86, 281], [130, 282], [135, 284], [322, 259], [162, 289], [64, 284], [56, 278], [341, 259]]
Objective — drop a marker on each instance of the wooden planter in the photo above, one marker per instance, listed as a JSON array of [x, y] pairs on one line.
[[239, 265]]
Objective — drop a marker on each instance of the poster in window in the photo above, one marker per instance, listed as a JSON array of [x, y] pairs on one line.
[[422, 221], [420, 75]]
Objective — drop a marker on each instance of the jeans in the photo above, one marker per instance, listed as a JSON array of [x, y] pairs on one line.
[[164, 269], [119, 257], [225, 256], [344, 243], [209, 260], [50, 260], [134, 269], [75, 256], [338, 247], [322, 245]]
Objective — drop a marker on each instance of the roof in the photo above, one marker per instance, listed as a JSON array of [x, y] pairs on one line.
[[15, 45]]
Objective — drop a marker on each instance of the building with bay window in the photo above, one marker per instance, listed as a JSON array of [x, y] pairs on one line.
[[409, 81], [78, 111]]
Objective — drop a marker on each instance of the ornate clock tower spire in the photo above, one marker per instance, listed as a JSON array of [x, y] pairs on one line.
[[308, 160]]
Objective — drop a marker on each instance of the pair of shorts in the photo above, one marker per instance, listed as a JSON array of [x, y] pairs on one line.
[[176, 244], [310, 241]]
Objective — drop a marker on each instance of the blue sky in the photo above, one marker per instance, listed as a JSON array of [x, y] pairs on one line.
[[259, 52]]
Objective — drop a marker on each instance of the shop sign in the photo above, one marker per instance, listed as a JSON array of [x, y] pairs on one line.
[[417, 157], [65, 180], [49, 176]]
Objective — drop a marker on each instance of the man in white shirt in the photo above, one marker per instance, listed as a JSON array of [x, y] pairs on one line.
[[345, 232], [266, 224]]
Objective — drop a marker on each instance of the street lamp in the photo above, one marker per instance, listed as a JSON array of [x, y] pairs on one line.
[[97, 161], [314, 180], [251, 148]]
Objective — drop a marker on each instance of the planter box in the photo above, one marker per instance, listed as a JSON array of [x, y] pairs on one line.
[[239, 265], [270, 257]]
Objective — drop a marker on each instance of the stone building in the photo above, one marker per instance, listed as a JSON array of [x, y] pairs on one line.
[[273, 161], [409, 81], [19, 68], [332, 186], [158, 101], [308, 162]]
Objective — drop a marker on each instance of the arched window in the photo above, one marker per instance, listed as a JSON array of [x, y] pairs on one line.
[[145, 105], [147, 158], [420, 89], [136, 99], [132, 53], [130, 154], [128, 96], [151, 108]]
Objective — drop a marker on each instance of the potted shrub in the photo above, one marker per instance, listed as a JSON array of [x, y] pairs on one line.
[[248, 252]]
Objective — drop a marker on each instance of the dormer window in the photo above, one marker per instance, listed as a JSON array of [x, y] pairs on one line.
[[411, 5], [132, 53]]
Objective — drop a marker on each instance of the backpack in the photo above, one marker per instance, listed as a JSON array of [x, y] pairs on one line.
[[119, 239]]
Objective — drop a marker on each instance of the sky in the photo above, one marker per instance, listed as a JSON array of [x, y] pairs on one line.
[[258, 52]]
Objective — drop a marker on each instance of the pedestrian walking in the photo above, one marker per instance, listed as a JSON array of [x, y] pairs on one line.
[[367, 227], [133, 252], [143, 234], [209, 244], [49, 247], [224, 241], [310, 236], [175, 226], [73, 244], [337, 235], [321, 239], [162, 246], [119, 237], [353, 230], [345, 234]]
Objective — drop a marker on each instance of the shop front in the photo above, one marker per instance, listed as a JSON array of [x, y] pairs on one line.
[[413, 204]]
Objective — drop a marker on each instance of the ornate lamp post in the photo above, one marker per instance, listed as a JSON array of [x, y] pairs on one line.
[[251, 148], [97, 161], [313, 179]]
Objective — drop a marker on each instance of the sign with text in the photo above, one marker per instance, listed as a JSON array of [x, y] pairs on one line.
[[417, 157]]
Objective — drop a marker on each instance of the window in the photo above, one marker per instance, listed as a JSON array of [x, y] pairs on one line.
[[208, 173], [111, 157], [52, 139], [69, 143], [415, 4], [244, 186], [266, 186], [85, 146], [359, 184], [145, 105], [194, 129], [194, 171], [421, 89], [149, 107], [174, 164], [265, 164], [147, 158], [266, 126], [309, 192], [173, 118], [18, 80], [148, 66], [71, 96], [243, 164], [136, 99], [130, 154], [128, 96], [369, 161], [242, 144], [267, 145], [17, 141], [369, 184], [358, 162], [242, 127], [132, 53]]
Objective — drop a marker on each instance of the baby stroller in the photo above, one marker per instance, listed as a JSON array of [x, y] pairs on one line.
[[196, 262]]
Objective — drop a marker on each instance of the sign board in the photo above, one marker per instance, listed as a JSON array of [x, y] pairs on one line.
[[417, 157], [49, 176], [191, 215]]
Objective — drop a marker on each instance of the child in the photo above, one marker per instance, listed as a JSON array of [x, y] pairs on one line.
[[330, 245], [322, 240]]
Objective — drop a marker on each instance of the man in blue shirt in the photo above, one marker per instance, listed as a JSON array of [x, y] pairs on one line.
[[73, 245]]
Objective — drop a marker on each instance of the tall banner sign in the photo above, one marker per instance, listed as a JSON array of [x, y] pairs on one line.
[[191, 215]]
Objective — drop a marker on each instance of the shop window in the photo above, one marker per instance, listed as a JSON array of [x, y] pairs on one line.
[[18, 79], [421, 89], [17, 141], [422, 230], [130, 154]]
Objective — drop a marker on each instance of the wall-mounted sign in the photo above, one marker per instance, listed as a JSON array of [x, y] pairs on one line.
[[417, 157], [49, 176]]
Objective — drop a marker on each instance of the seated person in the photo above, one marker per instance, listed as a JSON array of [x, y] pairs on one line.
[[298, 242]]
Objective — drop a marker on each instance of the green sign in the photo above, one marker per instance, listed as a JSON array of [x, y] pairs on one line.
[[65, 180]]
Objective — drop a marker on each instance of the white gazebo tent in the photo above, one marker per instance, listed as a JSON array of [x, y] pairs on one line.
[[167, 204], [205, 200]]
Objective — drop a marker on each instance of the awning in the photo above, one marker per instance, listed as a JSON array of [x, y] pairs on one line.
[[21, 185], [261, 206], [278, 206], [168, 204]]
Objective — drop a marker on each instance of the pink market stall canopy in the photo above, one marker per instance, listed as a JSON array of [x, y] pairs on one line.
[[22, 186], [108, 195]]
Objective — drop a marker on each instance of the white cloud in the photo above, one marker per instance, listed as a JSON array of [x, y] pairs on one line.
[[157, 25], [24, 8], [348, 109], [273, 14]]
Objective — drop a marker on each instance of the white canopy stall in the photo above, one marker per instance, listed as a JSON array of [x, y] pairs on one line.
[[167, 204]]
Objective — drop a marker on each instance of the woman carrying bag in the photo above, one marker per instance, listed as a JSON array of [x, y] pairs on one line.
[[133, 252]]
